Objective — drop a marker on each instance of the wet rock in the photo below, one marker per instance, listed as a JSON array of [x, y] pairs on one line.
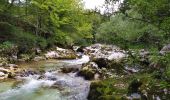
[[69, 69], [26, 73], [58, 86]]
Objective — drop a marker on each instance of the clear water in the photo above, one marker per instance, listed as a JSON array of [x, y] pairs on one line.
[[53, 86]]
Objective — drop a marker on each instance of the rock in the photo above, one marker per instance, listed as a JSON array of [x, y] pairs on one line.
[[7, 72], [87, 73], [38, 51], [101, 62], [143, 53], [11, 75], [165, 49], [12, 65], [60, 53], [109, 52], [134, 86], [39, 58], [69, 69], [75, 48], [2, 74], [81, 49], [97, 76], [26, 73], [133, 96], [94, 94], [51, 54], [116, 56]]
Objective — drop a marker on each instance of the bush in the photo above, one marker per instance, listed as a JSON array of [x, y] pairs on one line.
[[41, 42], [25, 41], [8, 48], [6, 31], [121, 29]]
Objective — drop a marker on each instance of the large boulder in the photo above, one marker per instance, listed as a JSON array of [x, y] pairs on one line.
[[109, 52], [89, 71]]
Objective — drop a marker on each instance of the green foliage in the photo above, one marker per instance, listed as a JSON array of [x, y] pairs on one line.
[[46, 23], [68, 18], [155, 11], [121, 29], [41, 42], [107, 90], [7, 48]]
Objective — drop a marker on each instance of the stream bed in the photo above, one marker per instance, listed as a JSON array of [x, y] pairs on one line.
[[51, 84]]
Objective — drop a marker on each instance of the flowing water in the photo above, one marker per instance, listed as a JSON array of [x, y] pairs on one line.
[[49, 85]]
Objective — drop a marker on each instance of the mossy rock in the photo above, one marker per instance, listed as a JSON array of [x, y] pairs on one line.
[[67, 56], [94, 94], [69, 69], [117, 66], [134, 86], [88, 74], [106, 90]]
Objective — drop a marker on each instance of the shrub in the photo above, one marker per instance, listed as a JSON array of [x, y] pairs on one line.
[[41, 42], [8, 48]]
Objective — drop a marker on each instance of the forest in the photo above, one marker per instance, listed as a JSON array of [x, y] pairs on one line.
[[59, 50]]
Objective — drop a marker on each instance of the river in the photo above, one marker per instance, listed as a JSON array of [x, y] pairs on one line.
[[51, 84]]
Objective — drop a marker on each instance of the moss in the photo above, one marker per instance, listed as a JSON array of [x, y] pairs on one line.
[[108, 97], [88, 74], [110, 89]]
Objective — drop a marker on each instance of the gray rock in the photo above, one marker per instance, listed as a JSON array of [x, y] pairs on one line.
[[39, 58], [165, 49]]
